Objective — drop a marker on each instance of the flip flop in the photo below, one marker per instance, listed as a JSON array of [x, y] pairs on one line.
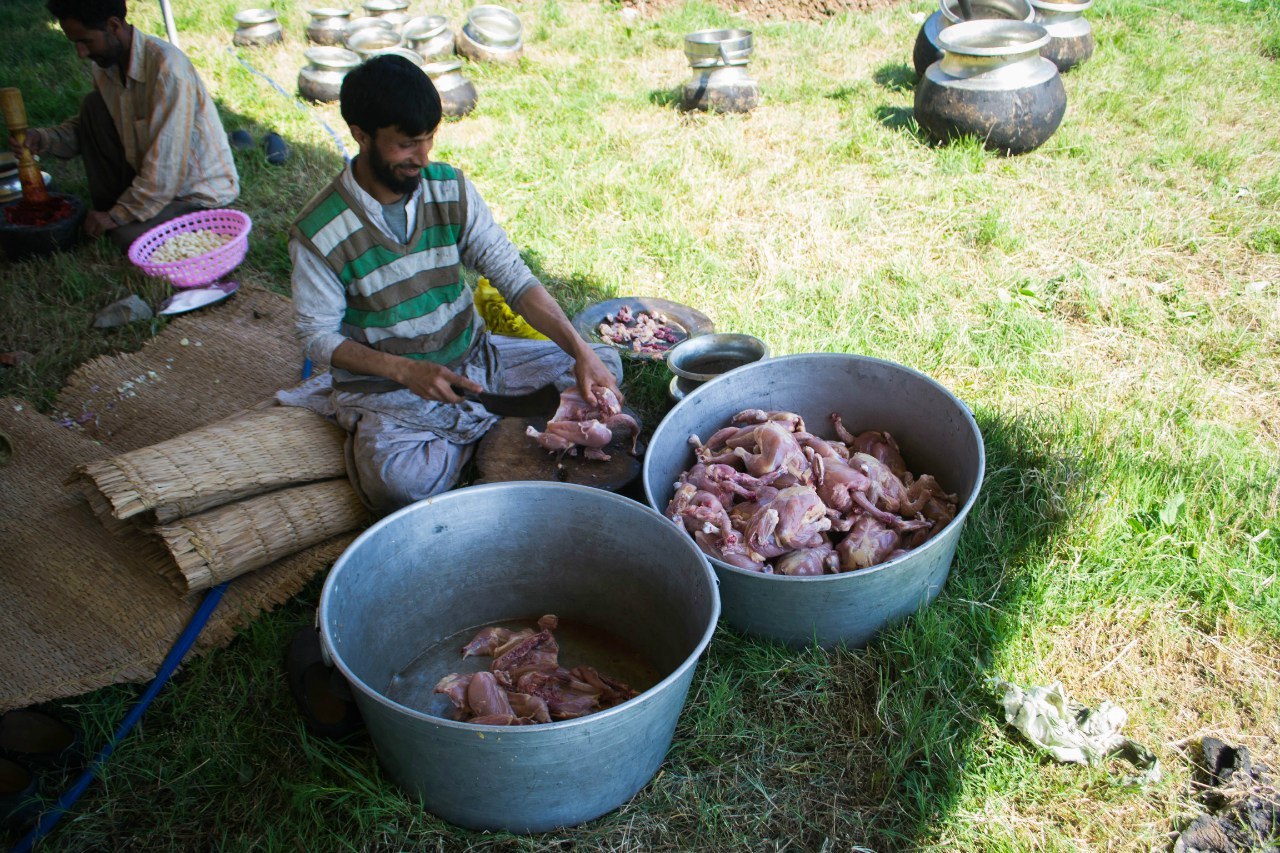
[[323, 695], [37, 739], [18, 802]]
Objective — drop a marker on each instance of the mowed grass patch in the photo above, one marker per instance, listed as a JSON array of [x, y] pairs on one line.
[[1106, 305]]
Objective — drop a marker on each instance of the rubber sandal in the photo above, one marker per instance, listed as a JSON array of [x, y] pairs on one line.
[[240, 140], [277, 149], [323, 695], [37, 739], [18, 802]]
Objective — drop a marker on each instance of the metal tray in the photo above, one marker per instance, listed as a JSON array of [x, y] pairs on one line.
[[689, 322]]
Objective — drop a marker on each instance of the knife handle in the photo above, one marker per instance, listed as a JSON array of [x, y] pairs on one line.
[[464, 393]]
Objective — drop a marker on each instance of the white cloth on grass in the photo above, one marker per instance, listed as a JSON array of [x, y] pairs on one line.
[[1070, 732]]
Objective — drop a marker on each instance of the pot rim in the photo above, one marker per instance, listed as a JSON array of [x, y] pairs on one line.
[[441, 67], [329, 12], [332, 56], [958, 38], [515, 732], [430, 26], [497, 25], [356, 40], [846, 577], [673, 356], [718, 37], [945, 9], [250, 17], [1061, 5], [469, 36]]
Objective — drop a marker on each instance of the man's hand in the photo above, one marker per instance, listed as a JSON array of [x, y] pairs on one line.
[[592, 375], [98, 223], [432, 381], [34, 142]]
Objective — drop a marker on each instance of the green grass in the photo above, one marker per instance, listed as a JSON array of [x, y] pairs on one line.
[[1108, 306]]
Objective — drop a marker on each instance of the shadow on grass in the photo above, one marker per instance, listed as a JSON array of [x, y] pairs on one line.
[[669, 98], [896, 77], [933, 695]]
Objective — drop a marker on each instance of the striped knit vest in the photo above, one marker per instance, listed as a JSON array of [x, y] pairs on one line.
[[408, 300]]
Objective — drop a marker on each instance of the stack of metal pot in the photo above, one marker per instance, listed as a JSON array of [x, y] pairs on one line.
[[992, 83], [395, 12], [720, 83], [256, 28], [321, 78], [457, 93], [491, 34], [1070, 36], [327, 26], [928, 51], [430, 36], [370, 36]]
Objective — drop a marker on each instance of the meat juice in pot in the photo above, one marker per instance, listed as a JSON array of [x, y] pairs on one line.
[[580, 644]]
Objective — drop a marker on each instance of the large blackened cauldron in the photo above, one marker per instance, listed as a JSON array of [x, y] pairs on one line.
[[992, 83]]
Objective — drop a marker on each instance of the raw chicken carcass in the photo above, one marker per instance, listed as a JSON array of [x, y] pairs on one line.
[[578, 423]]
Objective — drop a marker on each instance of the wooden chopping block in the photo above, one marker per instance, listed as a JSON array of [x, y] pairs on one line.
[[507, 454]]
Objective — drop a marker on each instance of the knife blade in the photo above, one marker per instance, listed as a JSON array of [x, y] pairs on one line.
[[540, 402]]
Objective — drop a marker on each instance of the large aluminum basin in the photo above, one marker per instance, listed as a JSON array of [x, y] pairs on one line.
[[513, 551], [937, 435]]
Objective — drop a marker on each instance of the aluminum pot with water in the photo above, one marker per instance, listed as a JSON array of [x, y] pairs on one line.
[[928, 51], [937, 435], [405, 596], [992, 83]]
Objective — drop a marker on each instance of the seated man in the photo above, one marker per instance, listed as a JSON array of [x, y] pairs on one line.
[[149, 133], [379, 296]]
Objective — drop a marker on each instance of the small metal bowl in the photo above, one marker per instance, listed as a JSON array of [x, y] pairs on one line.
[[707, 356], [411, 55]]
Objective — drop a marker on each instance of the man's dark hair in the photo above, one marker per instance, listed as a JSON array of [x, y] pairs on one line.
[[92, 13], [390, 91]]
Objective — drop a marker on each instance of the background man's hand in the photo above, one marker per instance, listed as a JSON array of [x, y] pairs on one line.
[[35, 141], [98, 223]]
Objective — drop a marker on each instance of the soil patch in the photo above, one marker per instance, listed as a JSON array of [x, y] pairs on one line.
[[787, 10]]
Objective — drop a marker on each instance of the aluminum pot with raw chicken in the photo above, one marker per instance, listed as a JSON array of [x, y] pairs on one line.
[[828, 490], [520, 651]]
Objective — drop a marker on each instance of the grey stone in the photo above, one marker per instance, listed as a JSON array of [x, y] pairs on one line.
[[127, 310]]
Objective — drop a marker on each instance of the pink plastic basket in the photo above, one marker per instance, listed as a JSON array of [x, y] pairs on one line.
[[202, 269]]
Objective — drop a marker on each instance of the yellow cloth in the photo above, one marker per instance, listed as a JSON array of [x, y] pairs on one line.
[[499, 317]]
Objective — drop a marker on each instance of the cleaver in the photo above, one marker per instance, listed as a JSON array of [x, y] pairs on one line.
[[543, 402]]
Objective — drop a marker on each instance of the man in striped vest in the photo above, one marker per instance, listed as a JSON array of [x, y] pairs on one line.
[[379, 296]]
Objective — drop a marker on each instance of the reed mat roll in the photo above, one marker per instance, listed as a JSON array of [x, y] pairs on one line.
[[258, 451], [226, 542]]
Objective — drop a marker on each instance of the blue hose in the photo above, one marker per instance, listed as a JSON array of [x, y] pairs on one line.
[[50, 819], [346, 155]]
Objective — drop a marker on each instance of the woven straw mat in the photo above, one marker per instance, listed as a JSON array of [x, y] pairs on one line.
[[78, 608]]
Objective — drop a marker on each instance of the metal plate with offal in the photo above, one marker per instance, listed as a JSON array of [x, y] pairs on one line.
[[687, 322]]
